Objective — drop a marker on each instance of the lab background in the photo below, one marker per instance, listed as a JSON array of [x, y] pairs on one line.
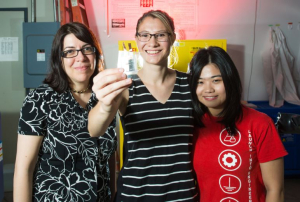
[[244, 24]]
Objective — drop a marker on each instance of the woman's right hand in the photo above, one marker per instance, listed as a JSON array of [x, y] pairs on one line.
[[108, 87]]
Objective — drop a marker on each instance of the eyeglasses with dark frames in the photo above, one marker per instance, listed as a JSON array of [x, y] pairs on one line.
[[71, 53], [161, 37]]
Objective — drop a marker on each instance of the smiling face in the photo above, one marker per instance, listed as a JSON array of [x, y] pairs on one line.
[[153, 51], [211, 90], [80, 68]]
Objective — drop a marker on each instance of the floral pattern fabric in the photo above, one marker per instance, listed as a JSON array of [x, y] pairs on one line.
[[71, 165]]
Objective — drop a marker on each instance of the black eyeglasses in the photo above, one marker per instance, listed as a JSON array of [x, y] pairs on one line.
[[71, 53], [161, 37]]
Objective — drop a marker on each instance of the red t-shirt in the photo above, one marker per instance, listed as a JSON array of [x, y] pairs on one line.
[[228, 167]]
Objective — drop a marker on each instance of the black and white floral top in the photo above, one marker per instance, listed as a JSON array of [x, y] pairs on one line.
[[71, 166]]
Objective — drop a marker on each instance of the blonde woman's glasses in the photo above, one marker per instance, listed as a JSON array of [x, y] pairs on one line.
[[161, 37]]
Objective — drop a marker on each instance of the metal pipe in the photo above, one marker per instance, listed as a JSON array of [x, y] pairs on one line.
[[55, 10], [58, 10], [33, 18]]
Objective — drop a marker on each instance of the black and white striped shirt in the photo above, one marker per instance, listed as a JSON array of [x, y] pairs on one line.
[[157, 146]]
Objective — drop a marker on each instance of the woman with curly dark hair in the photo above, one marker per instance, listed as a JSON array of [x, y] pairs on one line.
[[57, 160]]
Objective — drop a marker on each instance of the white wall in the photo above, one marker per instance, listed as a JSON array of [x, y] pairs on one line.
[[274, 12], [243, 23]]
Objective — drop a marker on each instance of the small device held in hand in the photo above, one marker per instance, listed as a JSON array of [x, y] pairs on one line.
[[128, 60]]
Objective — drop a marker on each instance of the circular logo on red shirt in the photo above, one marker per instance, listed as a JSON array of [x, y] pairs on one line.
[[230, 184], [230, 160], [228, 140], [229, 199]]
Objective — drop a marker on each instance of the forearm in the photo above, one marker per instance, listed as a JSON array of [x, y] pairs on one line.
[[98, 121], [27, 152], [23, 182], [111, 89], [275, 196], [272, 173]]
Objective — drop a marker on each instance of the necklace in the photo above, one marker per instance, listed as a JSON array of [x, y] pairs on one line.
[[80, 91]]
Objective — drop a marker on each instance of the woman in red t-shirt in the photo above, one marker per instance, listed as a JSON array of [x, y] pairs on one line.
[[238, 154]]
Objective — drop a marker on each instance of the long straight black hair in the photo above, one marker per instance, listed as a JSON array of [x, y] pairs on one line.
[[232, 111], [57, 77]]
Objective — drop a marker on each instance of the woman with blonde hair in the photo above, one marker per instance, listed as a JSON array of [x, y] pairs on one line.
[[156, 115]]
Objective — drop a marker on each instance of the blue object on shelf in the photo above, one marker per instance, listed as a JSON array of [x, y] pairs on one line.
[[263, 106], [291, 161], [291, 142]]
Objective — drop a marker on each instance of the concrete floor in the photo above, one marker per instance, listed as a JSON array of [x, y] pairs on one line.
[[291, 186]]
